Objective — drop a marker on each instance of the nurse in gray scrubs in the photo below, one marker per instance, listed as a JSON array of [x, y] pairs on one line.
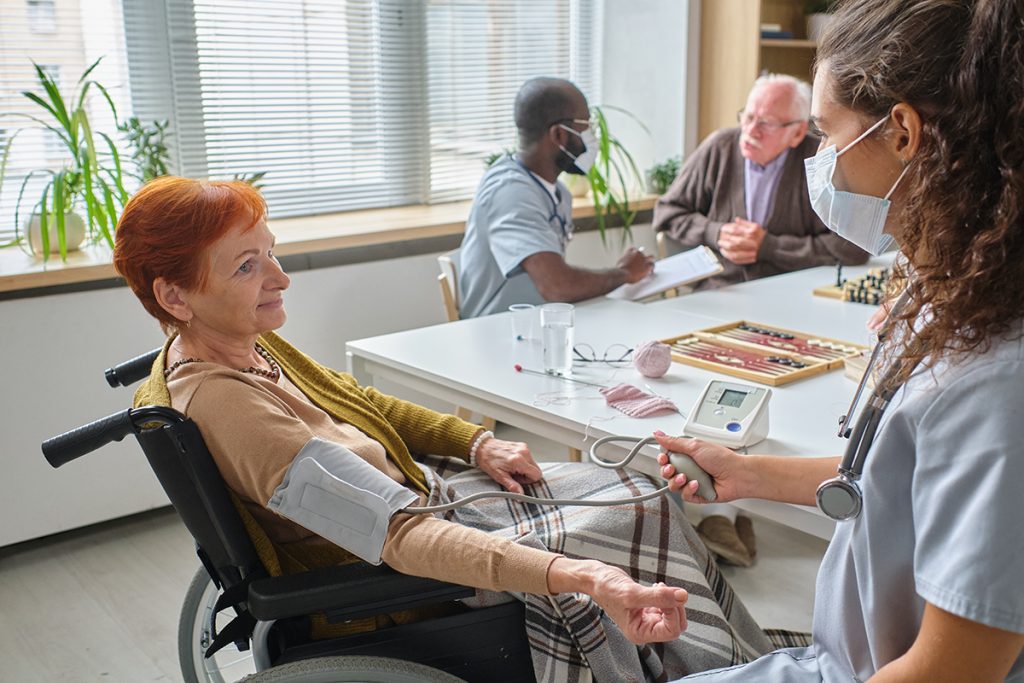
[[920, 106]]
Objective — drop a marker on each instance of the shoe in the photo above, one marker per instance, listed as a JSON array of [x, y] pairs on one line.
[[720, 537], [745, 530]]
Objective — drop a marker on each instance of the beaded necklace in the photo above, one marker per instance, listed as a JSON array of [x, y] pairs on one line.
[[273, 374]]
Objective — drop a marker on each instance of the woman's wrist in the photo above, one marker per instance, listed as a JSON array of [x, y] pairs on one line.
[[566, 575], [474, 447]]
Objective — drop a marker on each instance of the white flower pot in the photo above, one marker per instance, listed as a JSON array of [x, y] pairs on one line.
[[816, 25], [74, 232], [578, 185]]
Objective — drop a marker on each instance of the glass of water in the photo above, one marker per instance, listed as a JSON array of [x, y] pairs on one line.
[[557, 330]]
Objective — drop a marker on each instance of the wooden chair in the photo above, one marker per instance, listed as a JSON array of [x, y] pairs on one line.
[[448, 281]]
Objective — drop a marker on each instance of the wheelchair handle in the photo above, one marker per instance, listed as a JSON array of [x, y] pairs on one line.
[[64, 448], [131, 371]]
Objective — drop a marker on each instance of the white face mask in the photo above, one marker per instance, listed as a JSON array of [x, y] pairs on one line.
[[859, 218], [585, 159]]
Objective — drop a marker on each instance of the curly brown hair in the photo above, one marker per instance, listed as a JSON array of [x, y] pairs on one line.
[[960, 64]]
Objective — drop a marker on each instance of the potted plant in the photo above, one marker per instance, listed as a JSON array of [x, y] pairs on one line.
[[89, 181], [149, 147], [614, 175], [662, 175], [818, 16]]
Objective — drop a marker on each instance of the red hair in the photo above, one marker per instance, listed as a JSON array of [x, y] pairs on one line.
[[167, 228]]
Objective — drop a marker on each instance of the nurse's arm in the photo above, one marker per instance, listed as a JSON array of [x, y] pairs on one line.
[[787, 479], [951, 648]]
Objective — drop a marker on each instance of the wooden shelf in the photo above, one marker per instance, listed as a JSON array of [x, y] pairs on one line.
[[793, 43]]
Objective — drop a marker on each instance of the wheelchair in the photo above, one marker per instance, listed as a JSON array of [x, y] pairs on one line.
[[236, 618]]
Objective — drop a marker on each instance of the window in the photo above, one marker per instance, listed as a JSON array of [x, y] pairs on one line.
[[64, 39], [351, 104], [42, 16], [345, 104]]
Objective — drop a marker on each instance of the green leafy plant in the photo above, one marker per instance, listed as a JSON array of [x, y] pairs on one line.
[[149, 146], [493, 157], [661, 176], [251, 178], [614, 174], [87, 180]]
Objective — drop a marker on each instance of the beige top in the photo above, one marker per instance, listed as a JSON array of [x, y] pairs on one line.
[[254, 428]]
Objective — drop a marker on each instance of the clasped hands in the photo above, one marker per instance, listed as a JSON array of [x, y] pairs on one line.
[[740, 241]]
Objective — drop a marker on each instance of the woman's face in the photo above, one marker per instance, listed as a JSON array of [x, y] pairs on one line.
[[244, 285], [870, 167]]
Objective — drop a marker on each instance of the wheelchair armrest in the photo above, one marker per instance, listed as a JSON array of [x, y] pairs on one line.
[[351, 591]]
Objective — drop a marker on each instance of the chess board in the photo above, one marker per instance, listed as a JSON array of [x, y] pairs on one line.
[[761, 353], [870, 288]]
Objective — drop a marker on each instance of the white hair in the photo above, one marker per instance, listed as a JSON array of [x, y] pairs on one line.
[[801, 91]]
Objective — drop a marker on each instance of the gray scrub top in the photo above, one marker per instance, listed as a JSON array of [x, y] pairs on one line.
[[942, 522], [513, 216]]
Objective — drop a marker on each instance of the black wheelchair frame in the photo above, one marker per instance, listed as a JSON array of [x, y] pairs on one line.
[[271, 613]]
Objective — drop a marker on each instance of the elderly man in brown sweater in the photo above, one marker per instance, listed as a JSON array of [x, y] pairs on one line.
[[743, 193]]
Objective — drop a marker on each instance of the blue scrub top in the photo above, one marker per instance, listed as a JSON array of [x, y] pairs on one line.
[[513, 216], [941, 523]]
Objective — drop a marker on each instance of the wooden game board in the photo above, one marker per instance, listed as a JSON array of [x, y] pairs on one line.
[[761, 353], [870, 288]]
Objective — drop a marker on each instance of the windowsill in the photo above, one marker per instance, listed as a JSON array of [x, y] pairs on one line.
[[305, 235]]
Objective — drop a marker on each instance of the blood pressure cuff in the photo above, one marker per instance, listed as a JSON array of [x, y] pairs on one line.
[[334, 493]]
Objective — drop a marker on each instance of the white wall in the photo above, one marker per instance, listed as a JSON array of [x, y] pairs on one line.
[[53, 351], [648, 54]]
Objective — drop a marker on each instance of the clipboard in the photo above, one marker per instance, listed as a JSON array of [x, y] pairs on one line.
[[673, 271]]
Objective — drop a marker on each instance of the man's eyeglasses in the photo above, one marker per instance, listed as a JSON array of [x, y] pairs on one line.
[[746, 119], [616, 355], [586, 123]]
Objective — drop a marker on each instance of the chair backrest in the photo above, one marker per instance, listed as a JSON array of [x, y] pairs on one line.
[[448, 281], [186, 471], [666, 245]]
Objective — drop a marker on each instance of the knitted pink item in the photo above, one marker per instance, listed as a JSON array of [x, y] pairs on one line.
[[636, 403], [652, 359]]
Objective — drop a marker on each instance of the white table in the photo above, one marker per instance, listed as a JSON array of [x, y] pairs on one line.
[[471, 363]]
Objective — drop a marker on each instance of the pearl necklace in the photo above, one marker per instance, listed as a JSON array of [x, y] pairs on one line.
[[273, 374]]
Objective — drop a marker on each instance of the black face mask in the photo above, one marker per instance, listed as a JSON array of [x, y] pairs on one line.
[[567, 163]]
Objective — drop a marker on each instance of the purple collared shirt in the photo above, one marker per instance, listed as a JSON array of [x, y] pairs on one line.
[[759, 184]]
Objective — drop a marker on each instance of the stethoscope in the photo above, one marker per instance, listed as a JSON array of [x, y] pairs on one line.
[[563, 222], [840, 497]]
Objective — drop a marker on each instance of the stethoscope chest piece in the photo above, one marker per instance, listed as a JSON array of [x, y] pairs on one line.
[[840, 498]]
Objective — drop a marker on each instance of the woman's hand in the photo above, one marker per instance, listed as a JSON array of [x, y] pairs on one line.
[[645, 614], [878, 318], [732, 479], [508, 462]]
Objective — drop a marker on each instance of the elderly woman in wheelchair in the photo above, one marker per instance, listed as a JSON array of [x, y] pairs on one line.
[[326, 469]]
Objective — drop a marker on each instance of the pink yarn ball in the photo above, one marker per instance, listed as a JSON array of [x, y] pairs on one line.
[[652, 359]]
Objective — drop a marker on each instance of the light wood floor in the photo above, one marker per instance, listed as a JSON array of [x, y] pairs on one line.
[[101, 603]]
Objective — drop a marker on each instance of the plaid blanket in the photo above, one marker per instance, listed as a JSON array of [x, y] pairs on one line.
[[570, 637]]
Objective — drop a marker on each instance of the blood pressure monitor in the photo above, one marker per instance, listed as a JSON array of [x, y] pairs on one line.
[[729, 413]]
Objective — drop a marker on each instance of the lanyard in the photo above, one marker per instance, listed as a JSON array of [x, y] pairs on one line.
[[563, 223]]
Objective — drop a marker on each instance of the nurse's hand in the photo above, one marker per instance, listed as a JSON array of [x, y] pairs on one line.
[[508, 462], [725, 466]]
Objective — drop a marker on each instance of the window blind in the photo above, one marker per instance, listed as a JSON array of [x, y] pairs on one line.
[[348, 104], [64, 38]]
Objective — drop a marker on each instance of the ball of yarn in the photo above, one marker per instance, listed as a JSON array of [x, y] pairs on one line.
[[652, 359]]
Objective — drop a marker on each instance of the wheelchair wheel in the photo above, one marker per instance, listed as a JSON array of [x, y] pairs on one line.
[[352, 670], [194, 637]]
